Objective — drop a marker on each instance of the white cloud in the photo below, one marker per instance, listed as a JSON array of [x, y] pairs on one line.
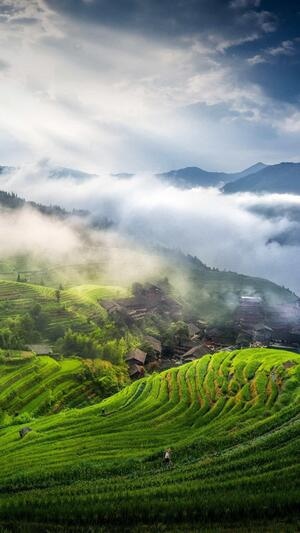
[[255, 60], [98, 98], [285, 48], [217, 228], [291, 122]]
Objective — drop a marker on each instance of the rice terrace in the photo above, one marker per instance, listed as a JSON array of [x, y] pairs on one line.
[[231, 419]]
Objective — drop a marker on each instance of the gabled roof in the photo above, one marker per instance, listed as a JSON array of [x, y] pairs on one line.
[[136, 355], [155, 343], [197, 351]]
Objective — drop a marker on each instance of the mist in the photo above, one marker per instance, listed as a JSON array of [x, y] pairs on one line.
[[228, 232], [70, 250]]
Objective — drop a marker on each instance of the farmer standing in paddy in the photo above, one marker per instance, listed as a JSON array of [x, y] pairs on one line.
[[167, 457]]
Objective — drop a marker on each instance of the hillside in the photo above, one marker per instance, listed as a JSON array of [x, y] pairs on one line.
[[13, 201], [32, 385], [32, 314], [231, 419], [77, 307], [214, 294], [282, 178]]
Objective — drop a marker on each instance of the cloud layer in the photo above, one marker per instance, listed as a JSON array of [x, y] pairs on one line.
[[243, 233]]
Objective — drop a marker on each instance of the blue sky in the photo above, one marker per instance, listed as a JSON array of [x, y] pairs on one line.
[[136, 85]]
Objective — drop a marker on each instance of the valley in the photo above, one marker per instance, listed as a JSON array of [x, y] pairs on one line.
[[112, 356]]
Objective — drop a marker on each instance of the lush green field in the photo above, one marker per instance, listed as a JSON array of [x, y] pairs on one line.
[[32, 385], [76, 308], [232, 420]]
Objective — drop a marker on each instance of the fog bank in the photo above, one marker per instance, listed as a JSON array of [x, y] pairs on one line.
[[235, 232]]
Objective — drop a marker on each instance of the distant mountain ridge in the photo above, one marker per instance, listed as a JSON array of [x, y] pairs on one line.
[[63, 172], [281, 178], [197, 177], [259, 178], [251, 170]]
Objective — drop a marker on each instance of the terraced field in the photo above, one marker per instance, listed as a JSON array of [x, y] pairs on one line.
[[76, 308], [40, 385], [231, 419]]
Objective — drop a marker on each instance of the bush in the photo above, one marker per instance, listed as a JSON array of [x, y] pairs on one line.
[[23, 418]]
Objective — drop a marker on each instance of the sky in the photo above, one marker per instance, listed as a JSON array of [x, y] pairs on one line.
[[149, 85]]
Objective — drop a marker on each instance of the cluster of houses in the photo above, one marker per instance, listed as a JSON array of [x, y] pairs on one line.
[[276, 326], [137, 359], [186, 349], [255, 324], [148, 299]]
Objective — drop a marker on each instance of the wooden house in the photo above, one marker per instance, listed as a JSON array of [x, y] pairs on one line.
[[136, 357]]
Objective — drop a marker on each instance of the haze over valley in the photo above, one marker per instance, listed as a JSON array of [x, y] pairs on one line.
[[153, 210]]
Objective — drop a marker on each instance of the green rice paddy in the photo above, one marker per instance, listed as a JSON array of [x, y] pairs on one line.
[[37, 385], [231, 419], [77, 308]]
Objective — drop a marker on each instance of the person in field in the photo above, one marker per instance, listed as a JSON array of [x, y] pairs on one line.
[[167, 457]]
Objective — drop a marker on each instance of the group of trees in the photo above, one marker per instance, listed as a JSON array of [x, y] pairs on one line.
[[107, 378], [16, 332], [89, 347]]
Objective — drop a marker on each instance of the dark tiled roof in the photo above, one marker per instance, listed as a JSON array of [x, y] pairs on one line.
[[136, 355]]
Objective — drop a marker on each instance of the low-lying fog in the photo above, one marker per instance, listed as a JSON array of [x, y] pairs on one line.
[[256, 235]]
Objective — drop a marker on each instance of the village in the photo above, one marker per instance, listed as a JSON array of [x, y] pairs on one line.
[[255, 324]]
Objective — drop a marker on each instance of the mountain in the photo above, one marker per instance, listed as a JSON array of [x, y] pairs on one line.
[[251, 170], [193, 177], [5, 169], [55, 172], [63, 172], [197, 177], [281, 178]]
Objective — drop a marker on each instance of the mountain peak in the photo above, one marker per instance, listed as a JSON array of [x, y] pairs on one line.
[[281, 178]]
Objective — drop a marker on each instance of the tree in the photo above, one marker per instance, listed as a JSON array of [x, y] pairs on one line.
[[57, 295]]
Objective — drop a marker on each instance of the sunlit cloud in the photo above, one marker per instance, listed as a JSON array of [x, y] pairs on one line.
[[106, 97]]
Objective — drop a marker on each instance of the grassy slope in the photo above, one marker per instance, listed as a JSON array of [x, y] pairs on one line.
[[77, 304], [232, 420], [39, 385]]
